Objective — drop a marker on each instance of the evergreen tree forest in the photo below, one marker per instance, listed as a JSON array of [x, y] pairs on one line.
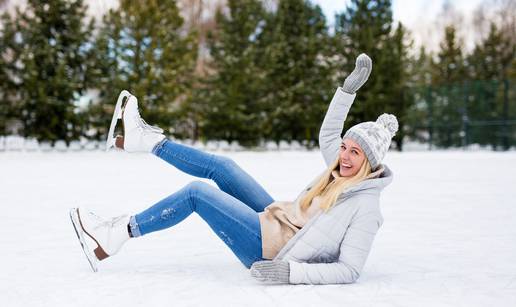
[[269, 71]]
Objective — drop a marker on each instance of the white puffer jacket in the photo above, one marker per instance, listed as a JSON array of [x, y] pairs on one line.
[[332, 247]]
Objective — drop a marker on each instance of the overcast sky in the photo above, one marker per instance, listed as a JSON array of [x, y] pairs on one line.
[[419, 16], [407, 11]]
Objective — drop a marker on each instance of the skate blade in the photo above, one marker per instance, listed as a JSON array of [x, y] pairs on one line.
[[92, 260], [117, 114]]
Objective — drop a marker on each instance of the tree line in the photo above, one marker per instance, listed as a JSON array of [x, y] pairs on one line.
[[270, 70]]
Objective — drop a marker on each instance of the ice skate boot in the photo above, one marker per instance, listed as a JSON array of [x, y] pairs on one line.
[[138, 136], [107, 235]]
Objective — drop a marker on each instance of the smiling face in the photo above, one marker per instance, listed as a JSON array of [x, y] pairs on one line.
[[351, 157]]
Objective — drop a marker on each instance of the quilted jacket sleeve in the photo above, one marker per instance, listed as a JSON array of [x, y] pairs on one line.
[[354, 250], [333, 123]]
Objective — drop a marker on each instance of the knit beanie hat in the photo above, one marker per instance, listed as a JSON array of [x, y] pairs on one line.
[[374, 137]]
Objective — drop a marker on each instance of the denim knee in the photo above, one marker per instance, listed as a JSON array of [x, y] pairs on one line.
[[225, 167], [225, 163], [197, 186], [194, 188]]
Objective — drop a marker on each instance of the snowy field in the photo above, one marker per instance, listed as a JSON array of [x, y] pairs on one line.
[[449, 236]]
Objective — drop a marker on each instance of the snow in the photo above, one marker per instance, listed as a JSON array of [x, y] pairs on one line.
[[449, 236]]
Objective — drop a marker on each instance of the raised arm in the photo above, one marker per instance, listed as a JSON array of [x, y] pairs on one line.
[[333, 123]]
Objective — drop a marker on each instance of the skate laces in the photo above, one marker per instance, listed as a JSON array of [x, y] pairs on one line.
[[148, 127], [143, 124]]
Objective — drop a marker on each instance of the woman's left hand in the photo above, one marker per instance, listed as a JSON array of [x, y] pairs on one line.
[[277, 271]]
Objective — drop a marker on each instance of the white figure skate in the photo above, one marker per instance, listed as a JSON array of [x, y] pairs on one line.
[[92, 230], [138, 135]]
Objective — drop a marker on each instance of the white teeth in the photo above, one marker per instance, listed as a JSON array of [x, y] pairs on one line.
[[345, 165]]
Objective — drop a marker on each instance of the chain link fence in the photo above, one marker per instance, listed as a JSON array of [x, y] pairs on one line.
[[462, 114]]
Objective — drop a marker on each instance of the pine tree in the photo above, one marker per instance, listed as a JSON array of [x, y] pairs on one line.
[[5, 107], [366, 27], [44, 62], [449, 67], [298, 71], [448, 73], [493, 57], [400, 78], [143, 47], [418, 114], [489, 68], [421, 70], [231, 94]]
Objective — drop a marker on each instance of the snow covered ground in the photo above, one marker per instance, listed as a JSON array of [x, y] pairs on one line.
[[449, 236]]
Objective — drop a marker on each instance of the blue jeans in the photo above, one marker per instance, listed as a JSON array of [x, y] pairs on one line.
[[231, 212]]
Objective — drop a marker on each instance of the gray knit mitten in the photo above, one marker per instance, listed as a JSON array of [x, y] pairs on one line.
[[277, 271], [359, 75]]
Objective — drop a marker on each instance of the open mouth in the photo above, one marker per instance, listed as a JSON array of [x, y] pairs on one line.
[[344, 165]]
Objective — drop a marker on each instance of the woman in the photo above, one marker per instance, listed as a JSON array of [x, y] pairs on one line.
[[323, 237]]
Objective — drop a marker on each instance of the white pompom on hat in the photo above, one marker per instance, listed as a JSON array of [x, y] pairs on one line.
[[374, 137]]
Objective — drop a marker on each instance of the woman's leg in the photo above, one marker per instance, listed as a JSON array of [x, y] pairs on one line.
[[228, 176], [233, 221]]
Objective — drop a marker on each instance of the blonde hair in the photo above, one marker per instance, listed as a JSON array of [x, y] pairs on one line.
[[329, 189]]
